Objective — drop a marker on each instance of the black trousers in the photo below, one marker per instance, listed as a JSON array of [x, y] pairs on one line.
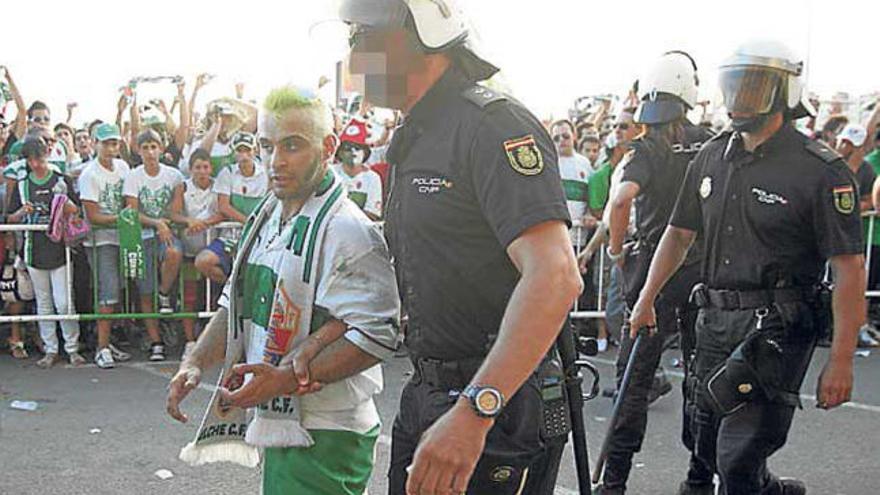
[[516, 459], [673, 312], [737, 445]]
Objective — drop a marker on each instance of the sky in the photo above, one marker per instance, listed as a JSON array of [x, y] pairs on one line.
[[550, 51]]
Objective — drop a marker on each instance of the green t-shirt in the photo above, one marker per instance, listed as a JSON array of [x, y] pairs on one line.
[[874, 159], [600, 183]]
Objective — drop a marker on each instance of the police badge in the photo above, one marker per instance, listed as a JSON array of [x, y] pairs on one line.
[[844, 199], [524, 155], [706, 187]]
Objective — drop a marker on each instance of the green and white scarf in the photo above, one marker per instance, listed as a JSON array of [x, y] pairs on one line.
[[285, 314]]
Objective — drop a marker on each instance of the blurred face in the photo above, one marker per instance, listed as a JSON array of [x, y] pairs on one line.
[[82, 143], [200, 171], [350, 155], [108, 149], [244, 155], [381, 63], [591, 151], [624, 129], [150, 151], [845, 148], [564, 138], [295, 158], [64, 135], [40, 118]]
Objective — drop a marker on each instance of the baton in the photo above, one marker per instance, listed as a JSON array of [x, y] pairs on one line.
[[571, 367], [615, 411]]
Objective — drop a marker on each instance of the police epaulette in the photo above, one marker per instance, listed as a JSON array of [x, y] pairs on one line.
[[482, 96], [827, 154]]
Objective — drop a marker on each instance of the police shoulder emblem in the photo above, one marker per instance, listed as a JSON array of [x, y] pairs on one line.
[[844, 199], [706, 187], [524, 155]]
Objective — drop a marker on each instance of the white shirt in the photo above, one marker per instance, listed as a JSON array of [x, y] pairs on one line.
[[104, 187], [244, 192], [200, 204], [355, 285], [365, 189], [153, 193], [575, 173]]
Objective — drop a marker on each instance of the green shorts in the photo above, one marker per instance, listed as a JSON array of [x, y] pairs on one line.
[[339, 463]]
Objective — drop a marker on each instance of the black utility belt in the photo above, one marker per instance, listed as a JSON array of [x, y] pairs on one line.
[[704, 297], [446, 374]]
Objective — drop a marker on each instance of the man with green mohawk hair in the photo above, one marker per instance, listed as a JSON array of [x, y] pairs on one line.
[[311, 308]]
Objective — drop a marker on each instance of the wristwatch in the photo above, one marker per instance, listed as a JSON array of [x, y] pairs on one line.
[[486, 401]]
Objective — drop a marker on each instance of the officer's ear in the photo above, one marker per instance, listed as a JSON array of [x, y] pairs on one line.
[[330, 143]]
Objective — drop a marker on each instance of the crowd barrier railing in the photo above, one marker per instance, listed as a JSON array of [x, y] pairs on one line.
[[600, 263]]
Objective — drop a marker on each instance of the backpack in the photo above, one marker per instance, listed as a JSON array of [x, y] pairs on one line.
[[71, 229], [15, 283]]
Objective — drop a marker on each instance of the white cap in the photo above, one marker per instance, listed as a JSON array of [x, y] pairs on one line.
[[854, 133]]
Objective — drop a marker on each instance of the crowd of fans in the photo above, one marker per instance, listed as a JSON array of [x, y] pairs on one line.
[[165, 195]]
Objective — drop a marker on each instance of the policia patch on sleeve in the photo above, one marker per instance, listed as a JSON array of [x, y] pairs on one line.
[[524, 155], [844, 199]]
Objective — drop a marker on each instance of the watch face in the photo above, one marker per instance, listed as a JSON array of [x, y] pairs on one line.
[[488, 401]]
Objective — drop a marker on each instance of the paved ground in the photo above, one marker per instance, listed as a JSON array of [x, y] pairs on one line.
[[105, 432]]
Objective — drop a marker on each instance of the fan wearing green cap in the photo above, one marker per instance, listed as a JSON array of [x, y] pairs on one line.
[[100, 186]]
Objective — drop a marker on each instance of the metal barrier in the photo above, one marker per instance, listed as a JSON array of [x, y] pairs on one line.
[[599, 260], [71, 306]]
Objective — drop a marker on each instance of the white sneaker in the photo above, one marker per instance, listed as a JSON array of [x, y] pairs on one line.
[[865, 338], [187, 350], [165, 306], [104, 359], [602, 344], [118, 354]]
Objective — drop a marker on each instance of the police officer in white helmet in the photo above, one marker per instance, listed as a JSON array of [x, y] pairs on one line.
[[773, 207], [477, 224], [652, 172]]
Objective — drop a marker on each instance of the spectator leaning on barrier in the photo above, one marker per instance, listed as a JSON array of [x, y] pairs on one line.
[[239, 189], [149, 189], [32, 202], [195, 206], [100, 187]]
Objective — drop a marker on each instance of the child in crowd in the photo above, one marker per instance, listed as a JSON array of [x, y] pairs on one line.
[[195, 205]]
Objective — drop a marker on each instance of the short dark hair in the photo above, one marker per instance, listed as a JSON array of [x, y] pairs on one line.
[[835, 123], [199, 154], [149, 135], [590, 138], [62, 125], [562, 122], [33, 145], [37, 105]]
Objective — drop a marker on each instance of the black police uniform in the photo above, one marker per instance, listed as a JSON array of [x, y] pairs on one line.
[[471, 170], [771, 218], [658, 167]]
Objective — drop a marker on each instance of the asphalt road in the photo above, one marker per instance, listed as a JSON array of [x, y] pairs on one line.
[[105, 432]]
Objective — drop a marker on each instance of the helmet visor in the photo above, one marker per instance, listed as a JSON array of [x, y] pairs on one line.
[[749, 90]]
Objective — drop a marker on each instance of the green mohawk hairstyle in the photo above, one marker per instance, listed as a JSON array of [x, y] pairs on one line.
[[287, 97]]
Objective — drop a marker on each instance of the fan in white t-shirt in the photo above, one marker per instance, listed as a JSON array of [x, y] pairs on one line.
[[363, 185]]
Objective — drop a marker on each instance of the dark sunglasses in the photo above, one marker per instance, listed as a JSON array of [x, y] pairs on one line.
[[622, 126], [40, 119], [559, 137]]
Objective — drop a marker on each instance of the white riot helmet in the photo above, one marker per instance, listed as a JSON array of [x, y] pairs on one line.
[[762, 77], [668, 89], [439, 26]]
